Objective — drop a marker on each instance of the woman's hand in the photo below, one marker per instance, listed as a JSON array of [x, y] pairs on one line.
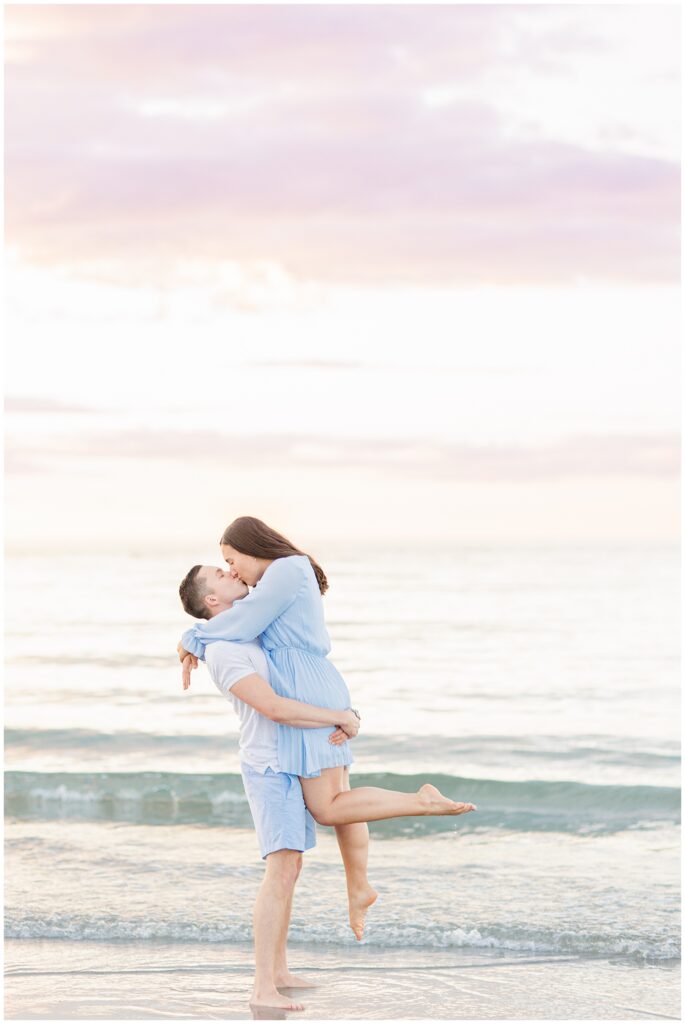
[[189, 663], [183, 654]]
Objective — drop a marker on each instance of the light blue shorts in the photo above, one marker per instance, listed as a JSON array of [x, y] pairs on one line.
[[280, 816]]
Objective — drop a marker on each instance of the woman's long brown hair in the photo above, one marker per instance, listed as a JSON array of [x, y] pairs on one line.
[[251, 536]]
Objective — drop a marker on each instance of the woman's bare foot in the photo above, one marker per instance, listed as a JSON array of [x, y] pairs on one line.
[[274, 1000], [288, 980], [360, 900], [436, 803]]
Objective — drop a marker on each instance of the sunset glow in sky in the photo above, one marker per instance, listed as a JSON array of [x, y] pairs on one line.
[[397, 273]]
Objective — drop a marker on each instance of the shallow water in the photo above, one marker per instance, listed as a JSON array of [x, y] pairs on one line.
[[58, 980], [542, 684]]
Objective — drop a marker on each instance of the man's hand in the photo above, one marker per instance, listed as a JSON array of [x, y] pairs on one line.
[[189, 663], [347, 730], [350, 724]]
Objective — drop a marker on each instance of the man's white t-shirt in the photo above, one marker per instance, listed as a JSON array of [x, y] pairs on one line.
[[229, 662]]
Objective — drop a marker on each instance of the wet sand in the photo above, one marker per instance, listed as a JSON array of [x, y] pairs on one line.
[[66, 980]]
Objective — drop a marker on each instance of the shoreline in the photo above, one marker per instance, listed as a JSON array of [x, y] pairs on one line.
[[61, 979]]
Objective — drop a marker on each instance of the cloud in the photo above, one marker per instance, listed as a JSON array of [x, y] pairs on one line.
[[19, 404], [587, 455], [309, 364], [301, 136], [333, 366], [211, 44]]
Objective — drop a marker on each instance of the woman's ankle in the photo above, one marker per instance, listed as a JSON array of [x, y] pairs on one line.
[[358, 885]]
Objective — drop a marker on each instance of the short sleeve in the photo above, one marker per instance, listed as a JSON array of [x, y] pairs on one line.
[[228, 663]]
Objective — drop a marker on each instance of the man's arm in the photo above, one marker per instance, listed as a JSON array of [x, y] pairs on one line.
[[255, 691]]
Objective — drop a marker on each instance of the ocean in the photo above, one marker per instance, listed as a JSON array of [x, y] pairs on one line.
[[540, 683]]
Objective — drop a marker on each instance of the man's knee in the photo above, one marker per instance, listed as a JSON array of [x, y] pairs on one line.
[[283, 867]]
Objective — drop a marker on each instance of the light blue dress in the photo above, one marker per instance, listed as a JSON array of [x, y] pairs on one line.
[[285, 611]]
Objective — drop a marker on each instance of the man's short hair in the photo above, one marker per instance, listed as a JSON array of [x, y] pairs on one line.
[[192, 591]]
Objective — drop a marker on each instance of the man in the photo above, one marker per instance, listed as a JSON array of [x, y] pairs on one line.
[[284, 826]]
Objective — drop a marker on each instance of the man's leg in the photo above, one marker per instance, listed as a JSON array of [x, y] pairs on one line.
[[284, 978], [271, 918]]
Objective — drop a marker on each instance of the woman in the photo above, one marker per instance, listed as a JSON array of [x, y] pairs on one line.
[[286, 611]]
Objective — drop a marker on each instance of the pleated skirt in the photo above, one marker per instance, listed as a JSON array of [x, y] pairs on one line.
[[311, 678]]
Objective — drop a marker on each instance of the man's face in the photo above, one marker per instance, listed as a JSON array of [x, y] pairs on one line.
[[222, 585]]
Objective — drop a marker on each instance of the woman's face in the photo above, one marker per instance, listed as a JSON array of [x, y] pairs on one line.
[[244, 567]]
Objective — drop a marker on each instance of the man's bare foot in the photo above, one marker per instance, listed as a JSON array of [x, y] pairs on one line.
[[360, 901], [288, 980], [274, 1000], [267, 1013], [436, 803]]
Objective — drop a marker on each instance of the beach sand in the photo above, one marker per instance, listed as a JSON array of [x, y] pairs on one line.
[[66, 980]]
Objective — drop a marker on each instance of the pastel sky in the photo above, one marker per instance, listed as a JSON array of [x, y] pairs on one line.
[[373, 273]]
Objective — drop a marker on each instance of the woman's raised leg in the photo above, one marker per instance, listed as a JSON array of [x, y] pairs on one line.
[[333, 803]]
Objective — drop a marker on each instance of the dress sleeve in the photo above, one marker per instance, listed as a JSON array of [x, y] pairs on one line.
[[249, 616]]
